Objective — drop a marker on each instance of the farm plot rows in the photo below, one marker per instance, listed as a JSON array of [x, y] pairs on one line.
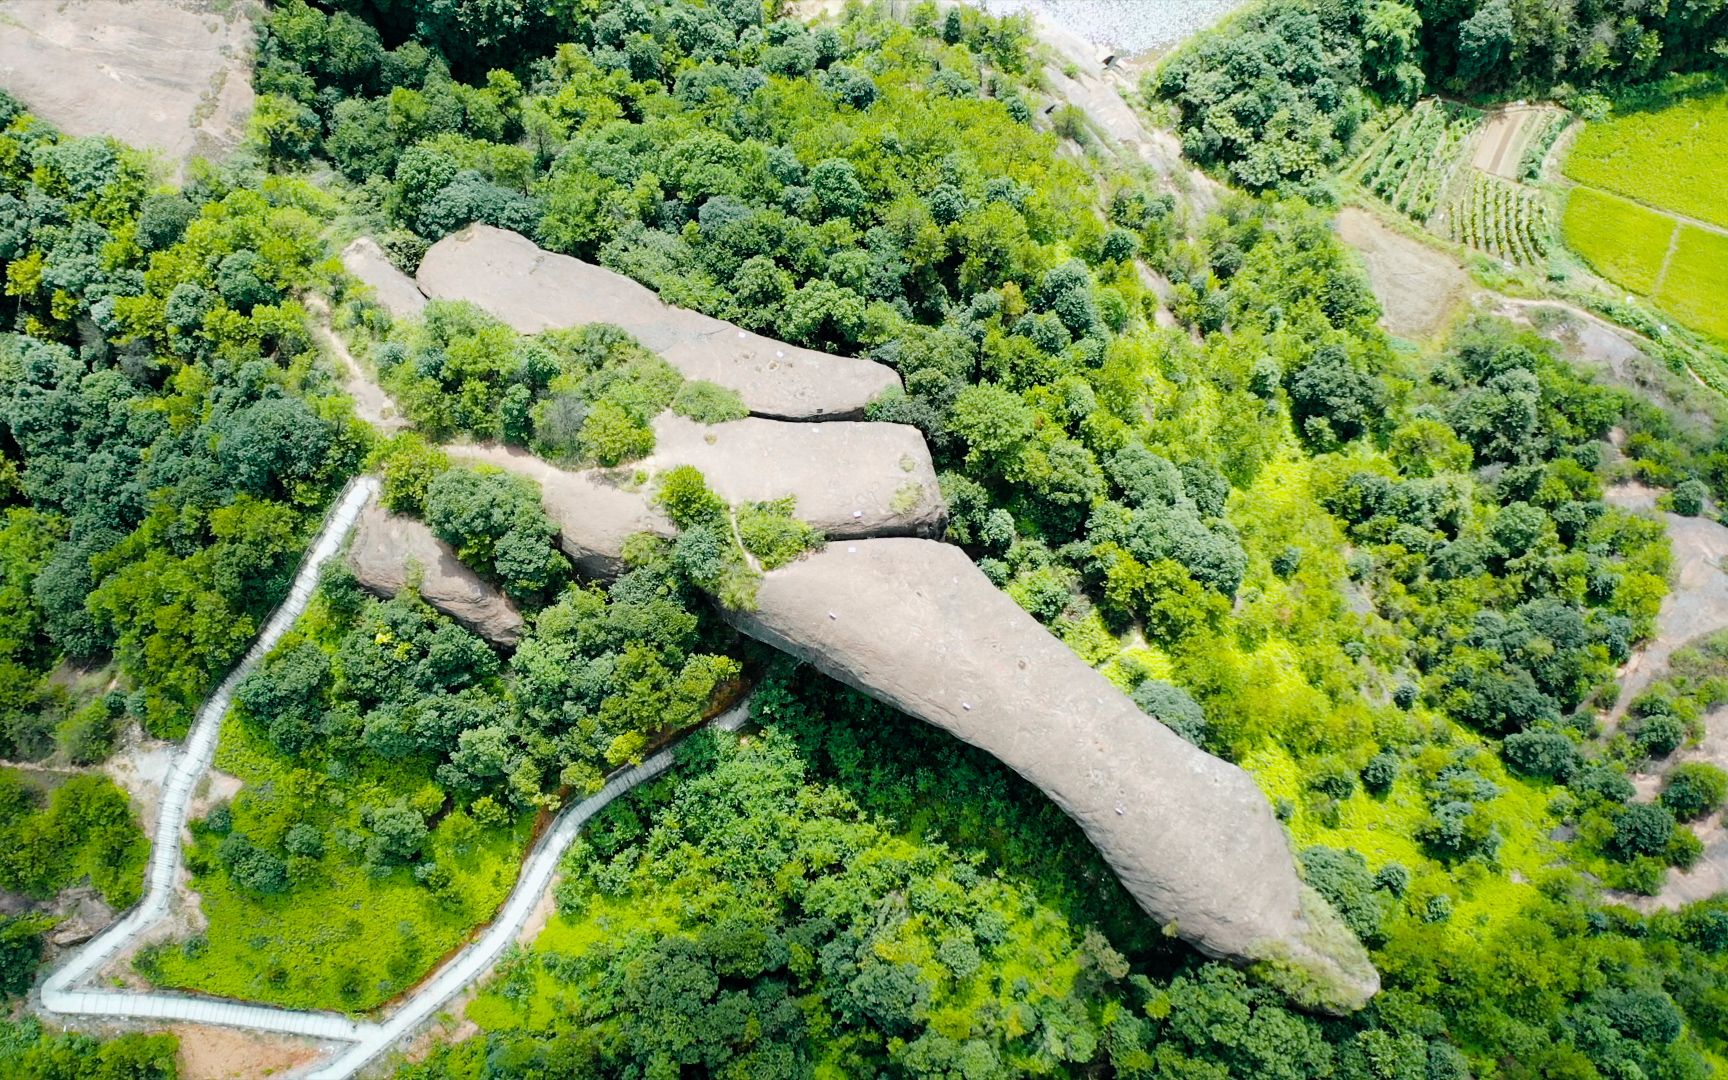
[[1419, 156], [1673, 157], [1505, 220]]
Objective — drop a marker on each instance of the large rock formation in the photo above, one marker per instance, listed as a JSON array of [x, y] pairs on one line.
[[596, 510], [389, 551], [849, 479], [395, 291], [165, 75], [915, 624], [532, 289]]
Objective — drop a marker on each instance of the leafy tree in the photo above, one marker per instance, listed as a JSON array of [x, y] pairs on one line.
[[1694, 790]]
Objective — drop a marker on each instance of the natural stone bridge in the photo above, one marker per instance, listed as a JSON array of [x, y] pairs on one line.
[[891, 611]]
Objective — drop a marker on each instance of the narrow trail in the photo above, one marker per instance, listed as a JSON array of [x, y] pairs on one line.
[[61, 993], [1667, 260]]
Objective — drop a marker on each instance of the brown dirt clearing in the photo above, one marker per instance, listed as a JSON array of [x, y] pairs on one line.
[[1418, 287], [213, 1053]]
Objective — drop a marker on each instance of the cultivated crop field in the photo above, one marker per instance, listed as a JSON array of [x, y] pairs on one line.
[[1673, 157], [1413, 164], [1506, 220], [1695, 288], [1641, 175], [1624, 242]]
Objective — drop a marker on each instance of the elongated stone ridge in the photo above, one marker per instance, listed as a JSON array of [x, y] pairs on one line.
[[515, 280], [916, 625], [390, 551]]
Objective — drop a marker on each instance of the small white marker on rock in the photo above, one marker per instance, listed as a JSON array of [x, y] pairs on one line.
[[967, 705], [742, 335], [1119, 810], [831, 615]]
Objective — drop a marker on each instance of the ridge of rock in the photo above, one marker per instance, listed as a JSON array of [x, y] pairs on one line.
[[395, 291], [390, 551], [532, 289], [914, 624]]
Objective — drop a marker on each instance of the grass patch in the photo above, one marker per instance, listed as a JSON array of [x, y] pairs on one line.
[[1672, 156], [341, 938], [1622, 241], [1696, 287]]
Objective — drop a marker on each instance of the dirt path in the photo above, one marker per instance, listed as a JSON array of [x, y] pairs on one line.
[[372, 403], [1667, 260]]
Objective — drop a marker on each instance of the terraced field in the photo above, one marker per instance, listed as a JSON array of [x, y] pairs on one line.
[[1695, 288], [1413, 164], [1650, 212], [1621, 240], [1672, 157]]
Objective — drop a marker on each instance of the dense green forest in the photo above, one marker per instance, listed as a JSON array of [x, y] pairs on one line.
[[1383, 579]]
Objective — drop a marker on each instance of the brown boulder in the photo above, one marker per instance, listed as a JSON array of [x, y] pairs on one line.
[[389, 552]]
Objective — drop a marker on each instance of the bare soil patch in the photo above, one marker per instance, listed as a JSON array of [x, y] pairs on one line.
[[1418, 287], [170, 75], [140, 767], [1697, 603], [1506, 133], [214, 1053]]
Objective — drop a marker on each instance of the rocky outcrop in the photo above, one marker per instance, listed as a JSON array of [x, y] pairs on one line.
[[596, 510], [172, 76], [532, 289], [916, 625], [395, 291], [849, 479], [389, 551]]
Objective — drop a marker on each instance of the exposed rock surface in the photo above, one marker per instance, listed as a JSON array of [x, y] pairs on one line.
[[914, 624], [849, 479], [388, 549], [168, 76], [395, 291], [532, 289], [595, 510]]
